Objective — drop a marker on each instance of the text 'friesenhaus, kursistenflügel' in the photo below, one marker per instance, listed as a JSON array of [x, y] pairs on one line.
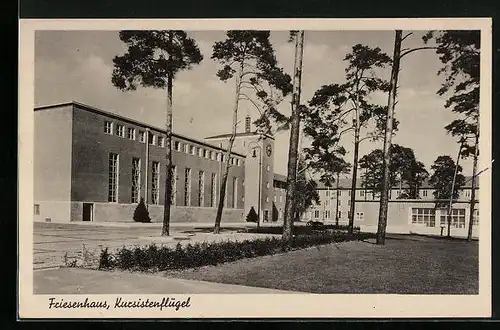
[[164, 303]]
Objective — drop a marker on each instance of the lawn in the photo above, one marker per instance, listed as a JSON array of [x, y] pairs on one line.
[[405, 265]]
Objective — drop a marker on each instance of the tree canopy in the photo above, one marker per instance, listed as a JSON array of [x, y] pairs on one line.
[[404, 166], [151, 56], [442, 178]]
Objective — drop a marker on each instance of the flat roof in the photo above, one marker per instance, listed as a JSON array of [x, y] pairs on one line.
[[129, 120]]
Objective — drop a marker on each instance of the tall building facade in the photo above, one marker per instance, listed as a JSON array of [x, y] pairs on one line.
[[93, 165]]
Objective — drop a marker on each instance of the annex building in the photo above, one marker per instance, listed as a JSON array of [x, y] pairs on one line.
[[93, 165], [419, 216]]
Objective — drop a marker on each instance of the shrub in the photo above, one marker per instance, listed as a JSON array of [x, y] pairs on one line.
[[105, 259], [141, 213], [152, 258], [252, 215]]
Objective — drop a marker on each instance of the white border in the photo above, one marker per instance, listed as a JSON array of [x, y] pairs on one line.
[[255, 305]]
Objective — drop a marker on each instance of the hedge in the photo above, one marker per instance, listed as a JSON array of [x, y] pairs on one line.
[[152, 258]]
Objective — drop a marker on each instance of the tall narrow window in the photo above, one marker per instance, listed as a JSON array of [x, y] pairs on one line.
[[131, 133], [142, 136], [173, 196], [37, 209], [113, 177], [213, 191], [120, 130], [152, 139], [108, 127], [161, 141], [201, 188], [235, 193], [187, 187], [155, 183], [136, 180]]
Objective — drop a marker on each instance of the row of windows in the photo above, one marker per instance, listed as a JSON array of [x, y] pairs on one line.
[[113, 184], [424, 193], [427, 217], [327, 215], [159, 141]]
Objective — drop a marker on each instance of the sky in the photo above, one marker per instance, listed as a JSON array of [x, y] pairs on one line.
[[77, 65]]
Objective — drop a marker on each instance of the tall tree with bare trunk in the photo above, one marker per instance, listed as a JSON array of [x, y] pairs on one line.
[[332, 106], [152, 60], [248, 57], [459, 51]]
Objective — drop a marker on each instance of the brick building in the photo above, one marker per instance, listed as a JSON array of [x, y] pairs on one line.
[[93, 165]]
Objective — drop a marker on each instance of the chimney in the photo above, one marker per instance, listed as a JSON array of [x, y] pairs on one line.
[[247, 124]]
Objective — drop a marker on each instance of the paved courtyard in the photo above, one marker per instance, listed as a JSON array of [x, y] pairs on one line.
[[51, 241]]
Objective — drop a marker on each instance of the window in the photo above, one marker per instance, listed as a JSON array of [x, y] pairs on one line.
[[467, 193], [174, 185], [327, 193], [268, 168], [186, 148], [327, 214], [281, 198], [316, 214], [340, 192], [349, 193], [136, 180], [475, 217], [142, 136], [362, 193], [201, 188], [113, 177], [327, 202], [457, 218], [424, 193], [152, 139], [161, 141], [108, 127], [177, 146], [340, 214], [155, 183], [267, 199], [235, 193], [266, 215], [218, 157], [187, 187], [267, 185], [204, 153], [192, 150], [131, 133], [120, 131], [37, 209], [360, 216], [213, 191], [212, 155], [275, 198], [423, 216], [222, 158], [237, 162]]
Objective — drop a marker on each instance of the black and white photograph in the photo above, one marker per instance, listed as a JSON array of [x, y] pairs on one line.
[[325, 168]]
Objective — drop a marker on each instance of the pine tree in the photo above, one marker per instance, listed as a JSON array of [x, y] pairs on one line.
[[141, 213], [153, 59]]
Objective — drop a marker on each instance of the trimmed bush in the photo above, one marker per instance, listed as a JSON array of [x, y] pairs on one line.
[[141, 213], [152, 258], [252, 215]]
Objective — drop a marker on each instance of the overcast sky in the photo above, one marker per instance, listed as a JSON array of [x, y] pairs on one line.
[[77, 65]]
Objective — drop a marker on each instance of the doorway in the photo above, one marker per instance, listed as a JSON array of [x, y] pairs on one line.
[[88, 212]]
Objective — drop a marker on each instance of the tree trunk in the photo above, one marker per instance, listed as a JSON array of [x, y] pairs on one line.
[[384, 196], [222, 189], [294, 139], [453, 189], [352, 205], [165, 231], [473, 192], [337, 203]]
